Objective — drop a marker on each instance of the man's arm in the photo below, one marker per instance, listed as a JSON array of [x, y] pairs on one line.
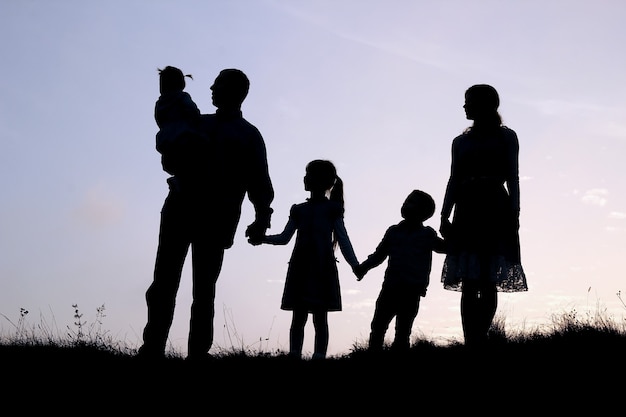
[[260, 189]]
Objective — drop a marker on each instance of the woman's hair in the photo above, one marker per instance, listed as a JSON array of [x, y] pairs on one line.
[[486, 100], [172, 79]]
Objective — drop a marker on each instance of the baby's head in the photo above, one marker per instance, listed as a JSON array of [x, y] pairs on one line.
[[418, 206], [171, 79]]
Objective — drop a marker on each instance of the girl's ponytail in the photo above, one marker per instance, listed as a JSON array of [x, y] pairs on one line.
[[336, 193]]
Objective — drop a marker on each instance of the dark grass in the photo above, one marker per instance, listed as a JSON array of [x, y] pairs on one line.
[[575, 367]]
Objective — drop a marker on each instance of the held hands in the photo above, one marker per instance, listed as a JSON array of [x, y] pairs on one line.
[[255, 233], [445, 227], [359, 271]]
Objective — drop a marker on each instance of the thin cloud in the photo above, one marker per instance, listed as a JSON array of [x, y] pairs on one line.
[[419, 51], [100, 207], [595, 197]]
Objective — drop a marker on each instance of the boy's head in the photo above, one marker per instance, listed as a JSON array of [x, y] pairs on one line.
[[418, 206], [171, 79]]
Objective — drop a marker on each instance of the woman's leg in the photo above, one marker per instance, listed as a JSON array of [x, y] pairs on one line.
[[479, 302], [488, 304], [470, 312]]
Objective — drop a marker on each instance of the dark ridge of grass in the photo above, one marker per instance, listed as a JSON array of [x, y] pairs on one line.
[[576, 365], [582, 342], [570, 372]]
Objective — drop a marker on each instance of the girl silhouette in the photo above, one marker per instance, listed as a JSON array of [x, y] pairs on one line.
[[312, 283]]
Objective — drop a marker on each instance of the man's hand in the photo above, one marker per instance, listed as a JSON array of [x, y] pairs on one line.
[[255, 233]]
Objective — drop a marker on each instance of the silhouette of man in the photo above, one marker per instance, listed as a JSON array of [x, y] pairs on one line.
[[202, 211]]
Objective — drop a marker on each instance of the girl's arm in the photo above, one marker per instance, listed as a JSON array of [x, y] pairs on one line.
[[344, 243], [282, 238]]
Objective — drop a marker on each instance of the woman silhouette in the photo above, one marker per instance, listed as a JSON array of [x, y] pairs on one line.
[[483, 237]]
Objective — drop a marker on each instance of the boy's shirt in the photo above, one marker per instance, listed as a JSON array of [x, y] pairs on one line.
[[409, 248]]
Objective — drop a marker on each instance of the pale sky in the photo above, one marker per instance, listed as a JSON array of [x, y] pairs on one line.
[[375, 86]]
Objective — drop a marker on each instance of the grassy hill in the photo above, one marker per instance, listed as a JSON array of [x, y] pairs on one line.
[[573, 367]]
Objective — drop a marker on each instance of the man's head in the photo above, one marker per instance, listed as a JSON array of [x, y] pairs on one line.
[[230, 89]]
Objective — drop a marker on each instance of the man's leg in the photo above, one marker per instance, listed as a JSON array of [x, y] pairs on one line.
[[207, 259], [161, 295]]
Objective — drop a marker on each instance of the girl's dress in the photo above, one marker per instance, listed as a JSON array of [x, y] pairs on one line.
[[312, 281], [484, 232]]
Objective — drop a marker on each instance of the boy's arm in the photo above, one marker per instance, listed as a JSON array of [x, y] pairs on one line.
[[378, 256], [439, 244]]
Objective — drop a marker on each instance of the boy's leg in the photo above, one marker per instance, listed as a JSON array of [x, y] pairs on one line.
[[383, 314], [408, 307]]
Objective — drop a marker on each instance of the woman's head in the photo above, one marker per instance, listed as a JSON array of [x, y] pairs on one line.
[[418, 206], [481, 104], [172, 79]]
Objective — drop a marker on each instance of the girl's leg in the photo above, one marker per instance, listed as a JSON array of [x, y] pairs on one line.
[[296, 333], [320, 322]]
